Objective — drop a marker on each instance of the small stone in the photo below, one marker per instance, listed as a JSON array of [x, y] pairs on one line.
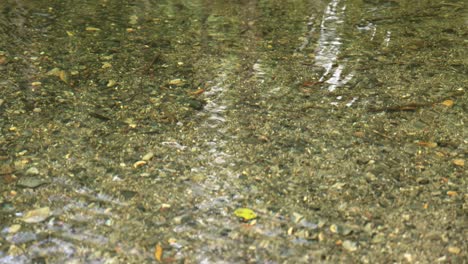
[[380, 237], [128, 194], [106, 65], [176, 82], [165, 206], [454, 250], [92, 29], [36, 215], [32, 171], [148, 156], [350, 245], [334, 228], [31, 182], [133, 19], [296, 217], [302, 234], [15, 251], [346, 231], [308, 224], [178, 219], [6, 169], [321, 236], [111, 83], [370, 177], [321, 223], [14, 229], [408, 257]]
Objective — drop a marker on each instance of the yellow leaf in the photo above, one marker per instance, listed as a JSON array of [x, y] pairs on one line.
[[447, 103], [158, 251], [452, 193], [63, 76], [245, 213], [139, 163], [459, 162]]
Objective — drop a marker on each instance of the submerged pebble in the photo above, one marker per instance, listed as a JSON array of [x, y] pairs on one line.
[[350, 245], [31, 182], [36, 215]]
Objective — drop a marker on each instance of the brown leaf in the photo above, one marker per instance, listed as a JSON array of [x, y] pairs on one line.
[[197, 92]]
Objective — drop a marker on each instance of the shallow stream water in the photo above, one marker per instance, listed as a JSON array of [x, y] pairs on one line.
[[138, 128]]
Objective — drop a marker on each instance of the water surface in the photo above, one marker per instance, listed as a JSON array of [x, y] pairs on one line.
[[148, 123]]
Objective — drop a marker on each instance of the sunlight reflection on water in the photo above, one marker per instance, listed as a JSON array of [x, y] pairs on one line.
[[329, 46]]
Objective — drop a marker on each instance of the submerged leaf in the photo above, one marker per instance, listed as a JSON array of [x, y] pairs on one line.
[[158, 251], [447, 103]]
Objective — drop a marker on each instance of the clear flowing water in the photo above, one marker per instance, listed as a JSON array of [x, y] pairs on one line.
[[143, 125]]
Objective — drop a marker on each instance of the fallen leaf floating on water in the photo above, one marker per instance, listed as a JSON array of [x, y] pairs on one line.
[[37, 215], [245, 214], [158, 251]]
